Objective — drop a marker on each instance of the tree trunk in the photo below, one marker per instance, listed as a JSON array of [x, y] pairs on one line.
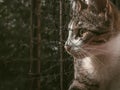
[[61, 46], [35, 45]]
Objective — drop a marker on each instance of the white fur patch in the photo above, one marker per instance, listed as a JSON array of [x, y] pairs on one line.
[[70, 26], [71, 38], [77, 42], [86, 1], [73, 5], [87, 65]]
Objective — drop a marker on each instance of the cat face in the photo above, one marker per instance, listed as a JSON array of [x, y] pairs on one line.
[[89, 27]]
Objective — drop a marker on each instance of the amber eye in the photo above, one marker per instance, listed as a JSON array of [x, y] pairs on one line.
[[82, 32]]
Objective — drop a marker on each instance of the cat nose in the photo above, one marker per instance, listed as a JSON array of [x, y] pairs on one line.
[[67, 47]]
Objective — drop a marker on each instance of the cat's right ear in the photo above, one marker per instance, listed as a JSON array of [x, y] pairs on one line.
[[78, 5], [101, 6]]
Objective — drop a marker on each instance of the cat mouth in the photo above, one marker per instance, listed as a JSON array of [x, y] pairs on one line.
[[76, 52]]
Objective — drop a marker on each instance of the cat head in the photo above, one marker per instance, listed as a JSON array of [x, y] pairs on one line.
[[91, 25], [97, 6]]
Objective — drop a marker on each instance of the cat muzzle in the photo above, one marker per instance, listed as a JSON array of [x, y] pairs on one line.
[[67, 47], [72, 45]]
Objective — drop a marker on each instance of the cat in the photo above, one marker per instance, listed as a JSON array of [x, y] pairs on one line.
[[94, 42]]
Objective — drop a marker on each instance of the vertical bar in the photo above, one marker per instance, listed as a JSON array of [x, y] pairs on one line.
[[35, 48], [38, 3], [31, 43], [31, 36], [61, 47]]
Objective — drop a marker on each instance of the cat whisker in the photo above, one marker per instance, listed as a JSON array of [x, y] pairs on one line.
[[100, 50], [95, 59], [81, 54], [87, 54]]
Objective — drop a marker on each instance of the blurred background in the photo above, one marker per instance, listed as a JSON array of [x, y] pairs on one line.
[[17, 69]]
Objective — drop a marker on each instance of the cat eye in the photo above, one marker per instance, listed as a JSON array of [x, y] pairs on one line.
[[82, 32]]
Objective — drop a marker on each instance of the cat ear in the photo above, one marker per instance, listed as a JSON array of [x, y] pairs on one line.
[[98, 5], [78, 5]]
